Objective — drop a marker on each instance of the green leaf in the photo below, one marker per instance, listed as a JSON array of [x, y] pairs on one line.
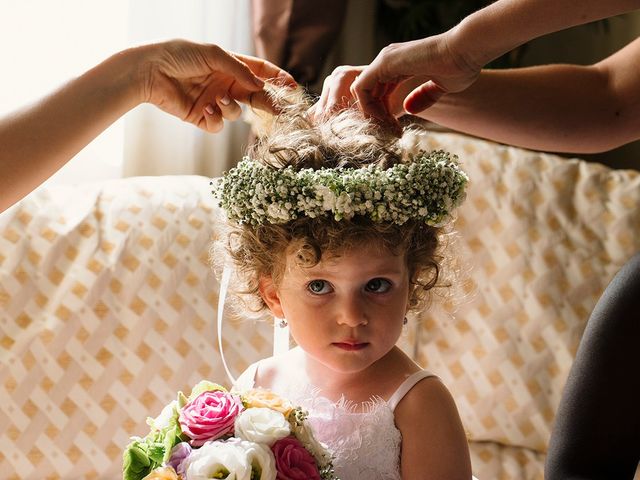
[[136, 463], [172, 437], [205, 386], [182, 400], [156, 453]]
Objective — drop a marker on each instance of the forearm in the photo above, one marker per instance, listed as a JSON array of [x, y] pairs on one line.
[[557, 108], [39, 139], [506, 24]]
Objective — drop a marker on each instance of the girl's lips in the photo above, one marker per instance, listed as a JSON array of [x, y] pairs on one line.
[[350, 346]]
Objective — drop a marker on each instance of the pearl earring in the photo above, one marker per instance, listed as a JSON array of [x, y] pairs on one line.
[[282, 323]]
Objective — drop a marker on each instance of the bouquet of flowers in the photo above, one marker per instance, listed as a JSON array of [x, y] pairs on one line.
[[214, 433]]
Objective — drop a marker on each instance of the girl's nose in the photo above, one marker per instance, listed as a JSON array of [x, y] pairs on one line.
[[352, 312]]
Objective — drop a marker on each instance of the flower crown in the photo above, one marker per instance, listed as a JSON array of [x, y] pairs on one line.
[[428, 188]]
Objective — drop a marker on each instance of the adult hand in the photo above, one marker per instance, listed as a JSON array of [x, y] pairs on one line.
[[197, 83], [202, 84], [434, 60], [337, 94]]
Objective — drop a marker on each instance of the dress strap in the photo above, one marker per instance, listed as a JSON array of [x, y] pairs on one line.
[[407, 385]]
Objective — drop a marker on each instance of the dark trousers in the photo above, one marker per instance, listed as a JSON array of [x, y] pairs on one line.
[[597, 430]]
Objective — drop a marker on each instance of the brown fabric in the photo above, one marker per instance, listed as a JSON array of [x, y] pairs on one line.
[[297, 35]]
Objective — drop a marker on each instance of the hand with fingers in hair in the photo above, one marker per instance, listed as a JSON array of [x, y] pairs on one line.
[[338, 93], [404, 78], [199, 83], [441, 79], [203, 84]]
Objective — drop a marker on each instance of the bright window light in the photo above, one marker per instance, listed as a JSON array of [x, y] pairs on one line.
[[44, 43]]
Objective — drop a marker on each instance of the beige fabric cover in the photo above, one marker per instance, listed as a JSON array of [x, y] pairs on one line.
[[541, 237], [107, 307]]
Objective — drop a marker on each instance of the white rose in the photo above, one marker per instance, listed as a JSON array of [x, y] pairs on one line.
[[261, 425], [232, 459]]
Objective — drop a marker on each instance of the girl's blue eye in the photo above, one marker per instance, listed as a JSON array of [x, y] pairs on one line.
[[319, 287], [378, 285]]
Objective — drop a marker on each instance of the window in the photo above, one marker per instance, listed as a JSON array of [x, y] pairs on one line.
[[43, 43]]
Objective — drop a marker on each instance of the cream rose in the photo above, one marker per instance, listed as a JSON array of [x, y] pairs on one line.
[[261, 425], [259, 397], [162, 473]]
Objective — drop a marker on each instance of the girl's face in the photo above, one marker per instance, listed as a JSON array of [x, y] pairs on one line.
[[345, 312]]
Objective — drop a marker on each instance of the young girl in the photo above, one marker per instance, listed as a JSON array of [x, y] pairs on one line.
[[334, 229]]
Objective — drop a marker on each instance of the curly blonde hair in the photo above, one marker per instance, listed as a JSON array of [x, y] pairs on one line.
[[344, 139]]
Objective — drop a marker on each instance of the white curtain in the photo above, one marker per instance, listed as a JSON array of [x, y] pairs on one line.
[[158, 144]]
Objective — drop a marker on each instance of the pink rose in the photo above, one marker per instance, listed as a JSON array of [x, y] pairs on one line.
[[293, 461], [209, 416]]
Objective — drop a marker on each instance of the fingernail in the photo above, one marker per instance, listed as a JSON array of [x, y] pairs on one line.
[[258, 81], [209, 109], [225, 100]]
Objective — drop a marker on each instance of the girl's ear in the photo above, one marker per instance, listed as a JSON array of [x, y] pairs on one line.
[[269, 294]]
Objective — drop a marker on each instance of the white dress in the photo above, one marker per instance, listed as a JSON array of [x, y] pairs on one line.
[[366, 446]]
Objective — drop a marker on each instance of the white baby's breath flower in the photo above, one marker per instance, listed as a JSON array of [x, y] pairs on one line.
[[278, 212], [304, 434], [427, 189], [343, 204], [327, 196]]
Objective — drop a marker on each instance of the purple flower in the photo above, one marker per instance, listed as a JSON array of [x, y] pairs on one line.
[[179, 454]]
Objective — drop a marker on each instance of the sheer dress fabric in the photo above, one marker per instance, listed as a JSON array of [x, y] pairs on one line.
[[363, 439]]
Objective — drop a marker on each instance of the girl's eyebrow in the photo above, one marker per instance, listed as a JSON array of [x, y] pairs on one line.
[[336, 272]]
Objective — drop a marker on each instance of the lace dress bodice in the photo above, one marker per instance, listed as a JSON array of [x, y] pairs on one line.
[[365, 442]]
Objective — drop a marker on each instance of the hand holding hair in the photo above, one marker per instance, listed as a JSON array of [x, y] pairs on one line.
[[413, 76], [446, 69], [202, 84], [198, 83]]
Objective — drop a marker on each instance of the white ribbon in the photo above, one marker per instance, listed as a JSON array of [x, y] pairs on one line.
[[280, 337], [222, 296], [280, 334]]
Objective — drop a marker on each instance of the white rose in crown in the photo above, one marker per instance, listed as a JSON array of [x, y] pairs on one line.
[[261, 425], [232, 459]]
